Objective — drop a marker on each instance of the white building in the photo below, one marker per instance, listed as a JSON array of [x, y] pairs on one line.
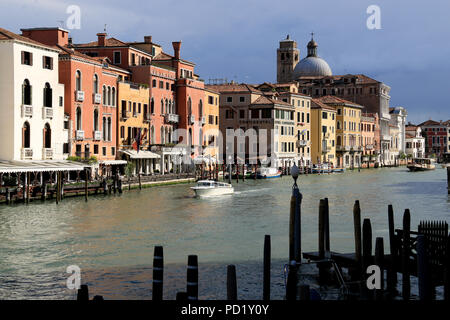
[[415, 143], [32, 106], [398, 119]]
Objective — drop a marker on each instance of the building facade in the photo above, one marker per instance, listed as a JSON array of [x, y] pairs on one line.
[[414, 142], [368, 138], [437, 135], [323, 133], [32, 98]]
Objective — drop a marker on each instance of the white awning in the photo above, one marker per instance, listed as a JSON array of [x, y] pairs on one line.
[[133, 154], [40, 166], [112, 162]]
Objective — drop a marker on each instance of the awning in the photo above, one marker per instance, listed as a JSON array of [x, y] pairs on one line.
[[133, 154], [112, 162], [204, 159], [39, 166]]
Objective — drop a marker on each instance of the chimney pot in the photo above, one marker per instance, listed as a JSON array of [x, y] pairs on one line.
[[176, 48], [101, 39], [148, 39]]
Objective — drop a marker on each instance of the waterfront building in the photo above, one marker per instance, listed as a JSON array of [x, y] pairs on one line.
[[414, 141], [323, 133], [32, 100], [348, 131], [288, 92], [268, 120], [313, 76], [398, 118], [90, 100], [437, 137], [133, 137], [211, 127], [368, 138], [176, 93], [394, 146]]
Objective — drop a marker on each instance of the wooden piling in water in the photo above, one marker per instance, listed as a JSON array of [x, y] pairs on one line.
[[423, 270], [291, 286], [447, 271], [357, 230], [266, 272], [292, 229], [140, 184], [366, 256], [192, 278], [231, 283], [86, 192], [379, 261], [327, 228], [406, 252], [305, 292], [57, 187], [83, 293], [448, 180], [322, 229], [158, 273], [392, 271]]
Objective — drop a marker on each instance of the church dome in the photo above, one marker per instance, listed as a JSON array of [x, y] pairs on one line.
[[312, 65]]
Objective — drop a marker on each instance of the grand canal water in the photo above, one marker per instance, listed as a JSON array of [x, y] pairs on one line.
[[112, 238]]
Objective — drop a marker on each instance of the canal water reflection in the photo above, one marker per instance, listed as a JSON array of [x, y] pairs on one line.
[[112, 238]]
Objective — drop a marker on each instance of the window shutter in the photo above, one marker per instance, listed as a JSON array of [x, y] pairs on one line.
[[23, 91], [23, 56], [45, 97], [31, 95], [51, 63], [50, 97], [43, 62], [31, 58]]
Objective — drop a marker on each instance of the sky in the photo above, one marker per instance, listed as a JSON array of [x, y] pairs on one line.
[[237, 39]]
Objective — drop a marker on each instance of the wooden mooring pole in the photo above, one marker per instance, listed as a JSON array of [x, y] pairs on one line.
[[231, 283], [266, 272], [423, 270], [379, 261], [358, 241], [406, 252], [393, 244], [366, 255], [83, 293], [86, 191], [192, 278], [448, 180], [158, 273], [291, 286]]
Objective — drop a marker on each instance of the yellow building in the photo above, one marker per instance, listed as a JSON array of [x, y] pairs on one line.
[[323, 133], [133, 127], [348, 131], [211, 124]]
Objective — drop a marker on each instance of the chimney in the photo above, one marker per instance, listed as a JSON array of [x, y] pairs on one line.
[[70, 41], [176, 48], [148, 39], [101, 39]]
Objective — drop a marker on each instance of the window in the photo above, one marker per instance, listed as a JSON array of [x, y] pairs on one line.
[[78, 119], [167, 86], [210, 100], [229, 99], [255, 113], [117, 57], [113, 151], [95, 84], [47, 96], [200, 108], [27, 58], [229, 114], [307, 117], [47, 62], [61, 101], [241, 99], [78, 80], [324, 115], [95, 120], [104, 95], [95, 148], [242, 114], [161, 84], [266, 113], [47, 136], [26, 92], [26, 135], [113, 98], [152, 106], [104, 151], [154, 83]]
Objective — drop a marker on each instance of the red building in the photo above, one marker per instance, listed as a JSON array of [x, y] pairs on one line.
[[437, 136]]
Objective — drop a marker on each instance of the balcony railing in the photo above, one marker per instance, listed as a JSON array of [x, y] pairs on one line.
[[27, 110], [369, 146], [302, 143], [147, 117], [79, 96], [79, 135], [47, 113], [203, 120], [47, 153], [171, 117], [97, 98], [125, 114], [191, 119], [27, 154], [97, 135]]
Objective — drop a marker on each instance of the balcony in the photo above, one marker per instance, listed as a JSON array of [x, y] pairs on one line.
[[27, 110], [27, 154], [79, 135], [97, 135], [369, 146], [147, 117], [340, 148], [302, 143], [47, 154], [171, 117], [47, 113], [191, 119], [203, 120], [79, 96], [97, 98], [326, 149], [125, 114]]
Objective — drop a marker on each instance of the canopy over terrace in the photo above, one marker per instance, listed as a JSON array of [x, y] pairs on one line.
[[39, 166], [144, 160]]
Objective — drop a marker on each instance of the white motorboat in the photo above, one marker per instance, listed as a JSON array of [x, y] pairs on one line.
[[211, 188], [267, 173], [421, 164]]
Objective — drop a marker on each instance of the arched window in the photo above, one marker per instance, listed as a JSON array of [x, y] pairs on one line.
[[143, 60], [166, 135], [200, 108], [152, 135], [109, 129], [162, 106], [26, 93], [162, 135], [190, 137], [78, 118], [166, 104], [109, 96], [104, 128], [95, 120], [189, 106], [113, 97], [104, 95], [78, 80], [26, 135], [339, 141], [95, 83], [47, 136], [200, 137], [152, 106], [47, 96]]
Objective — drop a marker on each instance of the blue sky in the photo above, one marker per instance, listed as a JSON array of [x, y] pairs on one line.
[[237, 40]]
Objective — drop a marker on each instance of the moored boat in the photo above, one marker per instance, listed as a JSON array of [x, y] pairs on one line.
[[211, 188], [267, 173], [421, 164]]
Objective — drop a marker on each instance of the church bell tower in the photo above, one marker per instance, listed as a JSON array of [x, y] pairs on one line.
[[287, 58]]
